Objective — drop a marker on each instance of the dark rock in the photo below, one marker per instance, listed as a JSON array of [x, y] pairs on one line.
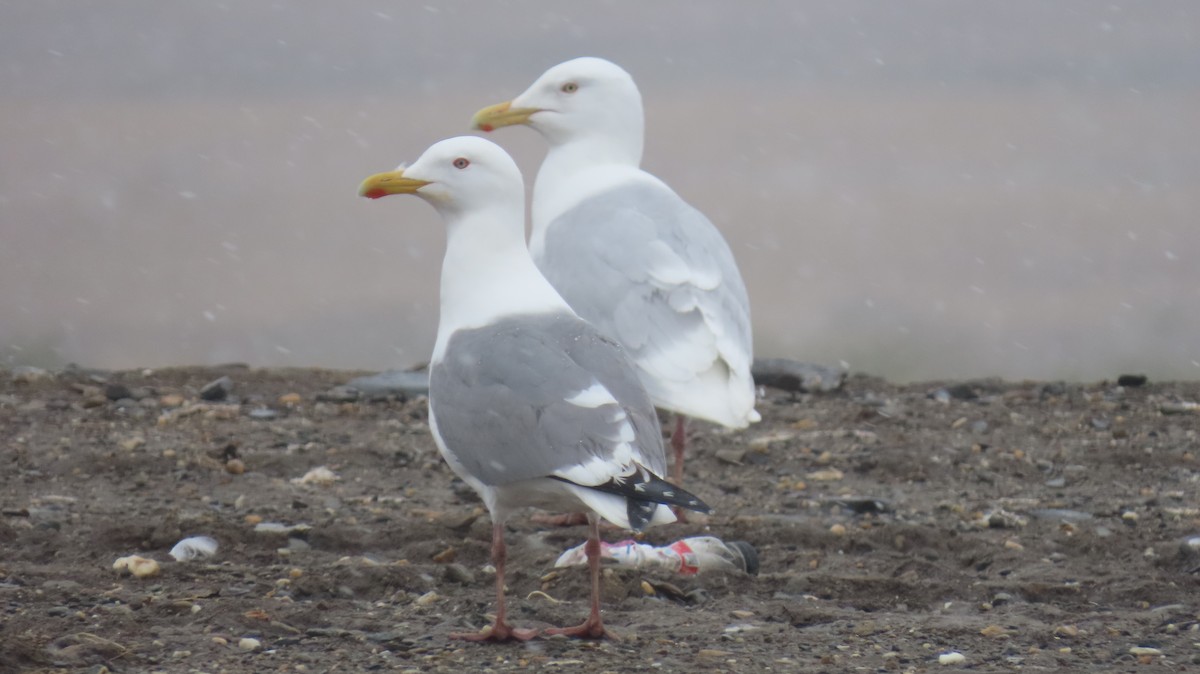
[[117, 392], [796, 377], [216, 390], [457, 573], [1132, 380]]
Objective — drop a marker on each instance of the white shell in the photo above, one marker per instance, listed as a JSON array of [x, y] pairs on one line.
[[195, 547]]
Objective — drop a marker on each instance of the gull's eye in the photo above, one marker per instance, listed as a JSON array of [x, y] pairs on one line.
[[570, 88], [462, 163]]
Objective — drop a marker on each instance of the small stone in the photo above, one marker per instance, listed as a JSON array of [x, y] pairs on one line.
[[220, 641], [826, 475], [249, 644], [139, 567], [762, 442], [427, 598], [1066, 631], [400, 383], [1129, 516], [1056, 483], [339, 394], [838, 530], [713, 653], [290, 399], [648, 589], [865, 628], [1132, 380], [951, 658], [445, 556], [1013, 544], [28, 374], [731, 456], [1144, 650], [320, 475], [171, 400], [457, 573], [235, 466], [131, 443], [117, 392], [994, 632], [742, 614], [217, 389], [262, 413]]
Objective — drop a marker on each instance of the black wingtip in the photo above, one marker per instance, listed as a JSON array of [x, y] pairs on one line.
[[644, 497]]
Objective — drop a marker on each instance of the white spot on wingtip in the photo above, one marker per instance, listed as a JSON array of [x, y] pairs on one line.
[[592, 396]]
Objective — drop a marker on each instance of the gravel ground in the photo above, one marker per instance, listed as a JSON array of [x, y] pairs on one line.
[[1026, 526]]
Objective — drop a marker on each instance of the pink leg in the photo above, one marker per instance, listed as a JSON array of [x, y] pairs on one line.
[[678, 442], [500, 630], [593, 627]]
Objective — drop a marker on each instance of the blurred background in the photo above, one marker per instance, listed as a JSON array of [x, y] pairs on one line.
[[918, 190]]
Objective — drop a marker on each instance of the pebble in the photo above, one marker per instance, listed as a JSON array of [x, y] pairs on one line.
[[838, 530], [28, 374], [1190, 547], [1183, 407], [730, 456], [290, 399], [249, 644], [319, 476], [392, 382], [951, 658], [826, 475], [235, 466], [995, 632], [1066, 631], [262, 413], [796, 377], [1060, 514], [457, 573], [140, 567], [217, 389], [427, 598], [171, 400], [763, 441], [132, 443], [1144, 650], [338, 394], [278, 528], [117, 392]]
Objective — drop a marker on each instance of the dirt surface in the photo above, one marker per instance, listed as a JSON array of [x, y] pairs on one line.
[[1027, 526]]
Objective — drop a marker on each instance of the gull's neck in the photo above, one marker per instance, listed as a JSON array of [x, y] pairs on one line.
[[488, 273], [577, 169]]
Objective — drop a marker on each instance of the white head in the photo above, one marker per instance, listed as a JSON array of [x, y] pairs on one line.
[[587, 99], [457, 176]]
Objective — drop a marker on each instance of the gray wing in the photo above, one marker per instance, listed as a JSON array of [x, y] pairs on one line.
[[646, 268], [538, 396]]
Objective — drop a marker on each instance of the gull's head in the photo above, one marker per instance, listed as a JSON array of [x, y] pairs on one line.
[[456, 174], [582, 97]]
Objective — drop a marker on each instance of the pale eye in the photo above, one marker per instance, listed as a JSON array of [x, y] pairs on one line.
[[570, 88], [462, 163]]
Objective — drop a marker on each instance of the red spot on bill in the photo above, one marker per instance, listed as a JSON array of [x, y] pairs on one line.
[[487, 128], [375, 193]]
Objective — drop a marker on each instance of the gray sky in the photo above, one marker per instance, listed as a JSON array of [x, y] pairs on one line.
[[921, 190]]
